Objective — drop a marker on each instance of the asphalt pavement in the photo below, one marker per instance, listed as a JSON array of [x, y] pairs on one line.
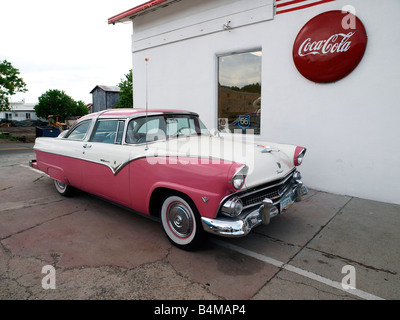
[[15, 148]]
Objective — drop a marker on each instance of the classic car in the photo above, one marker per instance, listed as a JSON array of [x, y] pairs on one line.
[[166, 164]]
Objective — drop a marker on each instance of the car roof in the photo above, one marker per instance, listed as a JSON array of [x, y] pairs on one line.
[[135, 112]]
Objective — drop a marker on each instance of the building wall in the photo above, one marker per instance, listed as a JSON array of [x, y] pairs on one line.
[[99, 100], [19, 111], [349, 127], [112, 99], [103, 100]]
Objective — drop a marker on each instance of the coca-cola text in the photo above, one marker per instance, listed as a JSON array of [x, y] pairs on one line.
[[330, 45]]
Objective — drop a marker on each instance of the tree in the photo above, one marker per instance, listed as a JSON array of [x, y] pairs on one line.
[[58, 103], [80, 109], [250, 88], [10, 83], [126, 93]]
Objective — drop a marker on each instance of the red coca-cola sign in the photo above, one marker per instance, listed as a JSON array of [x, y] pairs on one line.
[[330, 46]]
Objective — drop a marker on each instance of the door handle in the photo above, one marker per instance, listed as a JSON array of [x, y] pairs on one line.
[[87, 146]]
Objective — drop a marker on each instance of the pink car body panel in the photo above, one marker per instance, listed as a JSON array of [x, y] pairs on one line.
[[135, 183], [205, 184]]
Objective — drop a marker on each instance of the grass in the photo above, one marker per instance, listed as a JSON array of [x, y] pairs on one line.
[[8, 137]]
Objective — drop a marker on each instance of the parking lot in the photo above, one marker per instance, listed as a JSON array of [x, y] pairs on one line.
[[102, 251]]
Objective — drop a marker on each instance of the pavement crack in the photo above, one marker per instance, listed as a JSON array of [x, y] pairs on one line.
[[206, 286], [6, 206], [352, 262], [318, 232], [38, 224]]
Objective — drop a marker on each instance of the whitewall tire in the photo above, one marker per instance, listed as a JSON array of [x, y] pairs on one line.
[[181, 222], [63, 189]]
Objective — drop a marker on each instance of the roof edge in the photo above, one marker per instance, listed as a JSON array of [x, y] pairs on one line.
[[131, 12], [106, 88]]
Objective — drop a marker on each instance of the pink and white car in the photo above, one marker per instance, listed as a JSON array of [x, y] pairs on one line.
[[166, 164]]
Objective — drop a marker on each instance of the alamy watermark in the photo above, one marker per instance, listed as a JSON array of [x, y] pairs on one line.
[[49, 280], [207, 150], [349, 280], [349, 21]]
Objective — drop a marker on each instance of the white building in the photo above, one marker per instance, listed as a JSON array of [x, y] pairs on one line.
[[207, 56], [19, 110]]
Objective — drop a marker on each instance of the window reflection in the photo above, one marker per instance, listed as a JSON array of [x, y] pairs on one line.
[[105, 131], [239, 92], [79, 132], [164, 127]]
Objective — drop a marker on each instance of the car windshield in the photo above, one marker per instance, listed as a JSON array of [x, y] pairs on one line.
[[164, 127]]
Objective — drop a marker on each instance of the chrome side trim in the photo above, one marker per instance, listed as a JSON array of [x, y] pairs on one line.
[[244, 168], [115, 170]]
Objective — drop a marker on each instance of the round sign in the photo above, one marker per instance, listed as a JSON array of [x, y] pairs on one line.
[[330, 46]]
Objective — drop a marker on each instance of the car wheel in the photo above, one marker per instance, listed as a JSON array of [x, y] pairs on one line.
[[63, 189], [181, 222]]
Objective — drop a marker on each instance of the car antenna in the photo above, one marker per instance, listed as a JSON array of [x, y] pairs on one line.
[[147, 99]]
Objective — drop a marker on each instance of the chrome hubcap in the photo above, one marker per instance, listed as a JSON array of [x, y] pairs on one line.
[[60, 185], [180, 220]]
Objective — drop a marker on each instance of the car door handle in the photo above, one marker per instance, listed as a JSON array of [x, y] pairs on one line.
[[87, 146]]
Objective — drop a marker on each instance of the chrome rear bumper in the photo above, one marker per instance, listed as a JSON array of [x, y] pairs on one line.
[[33, 164], [243, 224]]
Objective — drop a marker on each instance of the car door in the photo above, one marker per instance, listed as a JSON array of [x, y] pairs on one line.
[[143, 136], [106, 172], [70, 150]]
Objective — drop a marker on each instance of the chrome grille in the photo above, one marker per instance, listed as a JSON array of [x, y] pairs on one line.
[[273, 190]]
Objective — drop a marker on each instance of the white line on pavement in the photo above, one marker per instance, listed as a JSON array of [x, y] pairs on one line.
[[304, 273]]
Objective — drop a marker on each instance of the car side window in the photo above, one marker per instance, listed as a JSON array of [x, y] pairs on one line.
[[79, 132], [137, 130], [181, 126], [105, 131]]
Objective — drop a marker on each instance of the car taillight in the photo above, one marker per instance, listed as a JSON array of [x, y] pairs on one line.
[[299, 155]]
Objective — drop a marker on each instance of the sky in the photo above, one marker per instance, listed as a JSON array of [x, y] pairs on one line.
[[240, 69], [66, 45]]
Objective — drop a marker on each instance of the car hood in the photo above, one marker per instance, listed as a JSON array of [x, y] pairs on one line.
[[266, 162]]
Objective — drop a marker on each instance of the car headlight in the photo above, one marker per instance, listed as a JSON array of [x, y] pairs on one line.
[[233, 207], [299, 155], [239, 177]]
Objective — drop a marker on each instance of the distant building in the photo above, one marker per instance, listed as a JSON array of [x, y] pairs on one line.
[[104, 97], [19, 111]]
